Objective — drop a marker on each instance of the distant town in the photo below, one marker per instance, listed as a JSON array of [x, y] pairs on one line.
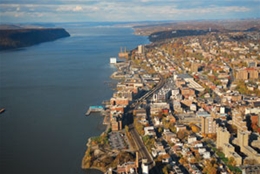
[[187, 104]]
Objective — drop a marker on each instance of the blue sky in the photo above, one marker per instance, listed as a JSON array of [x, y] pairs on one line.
[[15, 11]]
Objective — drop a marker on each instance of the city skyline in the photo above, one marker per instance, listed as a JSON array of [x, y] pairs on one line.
[[125, 11]]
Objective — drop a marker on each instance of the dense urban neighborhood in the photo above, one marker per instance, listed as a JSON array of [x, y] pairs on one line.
[[184, 105]]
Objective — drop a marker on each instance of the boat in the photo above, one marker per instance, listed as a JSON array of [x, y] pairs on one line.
[[2, 110]]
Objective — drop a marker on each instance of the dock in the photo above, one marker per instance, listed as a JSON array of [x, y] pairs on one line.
[[95, 109]]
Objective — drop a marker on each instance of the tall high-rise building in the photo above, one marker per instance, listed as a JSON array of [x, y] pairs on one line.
[[140, 49], [223, 139], [237, 120], [208, 125]]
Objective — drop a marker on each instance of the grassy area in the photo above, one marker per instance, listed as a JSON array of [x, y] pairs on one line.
[[149, 142], [101, 140], [226, 161]]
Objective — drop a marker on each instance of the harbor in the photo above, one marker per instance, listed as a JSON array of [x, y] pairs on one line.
[[103, 110], [95, 109]]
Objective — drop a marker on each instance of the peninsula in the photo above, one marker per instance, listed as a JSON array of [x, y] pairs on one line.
[[23, 37]]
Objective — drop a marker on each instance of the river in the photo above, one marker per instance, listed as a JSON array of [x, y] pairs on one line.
[[46, 90]]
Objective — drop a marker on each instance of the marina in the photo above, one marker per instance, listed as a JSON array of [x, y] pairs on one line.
[[95, 109]]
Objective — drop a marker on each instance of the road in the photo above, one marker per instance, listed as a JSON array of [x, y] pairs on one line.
[[152, 91], [142, 150]]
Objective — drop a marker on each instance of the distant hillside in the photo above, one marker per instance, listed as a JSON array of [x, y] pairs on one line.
[[215, 25], [17, 38], [161, 35]]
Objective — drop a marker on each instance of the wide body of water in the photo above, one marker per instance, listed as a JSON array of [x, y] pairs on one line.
[[46, 90]]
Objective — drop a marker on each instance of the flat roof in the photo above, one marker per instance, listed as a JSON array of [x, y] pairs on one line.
[[185, 76]]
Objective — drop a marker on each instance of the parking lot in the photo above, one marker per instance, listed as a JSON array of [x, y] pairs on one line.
[[117, 140]]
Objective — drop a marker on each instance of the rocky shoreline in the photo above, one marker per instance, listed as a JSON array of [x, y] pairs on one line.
[[83, 166]]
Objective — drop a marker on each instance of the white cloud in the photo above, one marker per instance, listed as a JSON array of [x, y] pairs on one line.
[[118, 10], [77, 8], [69, 8]]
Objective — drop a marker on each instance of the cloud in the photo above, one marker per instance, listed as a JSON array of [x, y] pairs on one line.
[[77, 8], [132, 10]]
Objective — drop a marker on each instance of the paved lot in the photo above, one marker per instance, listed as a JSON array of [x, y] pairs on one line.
[[117, 140]]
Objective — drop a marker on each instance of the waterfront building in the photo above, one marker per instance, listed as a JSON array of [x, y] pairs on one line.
[[123, 53], [113, 60], [119, 101], [116, 123]]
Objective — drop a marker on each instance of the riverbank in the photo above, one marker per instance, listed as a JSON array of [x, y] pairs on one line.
[[100, 153]]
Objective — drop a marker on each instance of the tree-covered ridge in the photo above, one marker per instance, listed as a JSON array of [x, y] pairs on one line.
[[17, 38]]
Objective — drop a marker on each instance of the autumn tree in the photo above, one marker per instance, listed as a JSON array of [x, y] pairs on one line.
[[194, 128], [210, 167], [182, 134], [231, 161]]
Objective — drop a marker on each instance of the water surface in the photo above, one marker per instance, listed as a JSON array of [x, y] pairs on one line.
[[46, 90]]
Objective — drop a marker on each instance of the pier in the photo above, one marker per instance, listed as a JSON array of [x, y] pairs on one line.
[[95, 109]]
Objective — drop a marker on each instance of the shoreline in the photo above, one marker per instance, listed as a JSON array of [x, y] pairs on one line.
[[86, 160], [89, 148], [92, 167]]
